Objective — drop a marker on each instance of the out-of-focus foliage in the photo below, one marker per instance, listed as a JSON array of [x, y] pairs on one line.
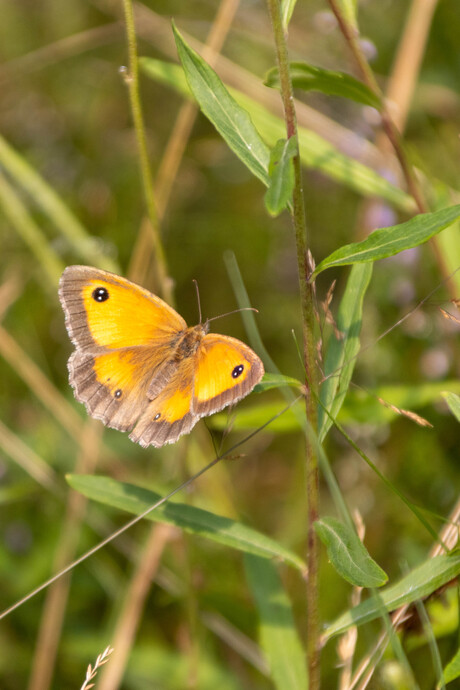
[[70, 192]]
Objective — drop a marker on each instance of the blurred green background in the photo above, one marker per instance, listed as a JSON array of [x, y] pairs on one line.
[[65, 110]]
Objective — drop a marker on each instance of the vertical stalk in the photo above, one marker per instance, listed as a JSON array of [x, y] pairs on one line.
[[351, 36], [132, 82], [309, 350]]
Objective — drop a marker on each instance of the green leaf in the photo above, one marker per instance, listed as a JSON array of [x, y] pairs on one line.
[[287, 8], [230, 119], [254, 416], [348, 554], [315, 152], [419, 583], [311, 78], [341, 352], [278, 635], [390, 241], [281, 176], [223, 530], [452, 670], [454, 403], [277, 381]]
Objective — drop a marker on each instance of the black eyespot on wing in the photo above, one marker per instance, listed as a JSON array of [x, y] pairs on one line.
[[237, 371], [118, 393], [100, 294]]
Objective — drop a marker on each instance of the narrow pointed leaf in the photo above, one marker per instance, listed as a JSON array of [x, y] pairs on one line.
[[419, 583], [454, 403], [348, 554], [256, 416], [278, 635], [231, 121], [341, 352], [277, 381], [348, 10], [315, 151], [390, 241], [223, 530], [312, 78], [452, 670], [287, 8], [281, 176]]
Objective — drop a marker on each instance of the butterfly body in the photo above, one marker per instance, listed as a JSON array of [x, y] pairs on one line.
[[137, 366]]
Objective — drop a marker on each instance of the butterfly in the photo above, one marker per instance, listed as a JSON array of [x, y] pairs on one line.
[[138, 367]]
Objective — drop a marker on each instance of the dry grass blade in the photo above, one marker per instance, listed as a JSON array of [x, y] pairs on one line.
[[448, 539], [55, 605], [421, 421], [91, 672], [40, 385], [138, 589], [448, 315], [28, 459], [328, 316], [346, 646]]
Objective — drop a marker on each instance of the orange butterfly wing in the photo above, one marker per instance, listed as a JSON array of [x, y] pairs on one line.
[[123, 336], [168, 416], [225, 371], [107, 311]]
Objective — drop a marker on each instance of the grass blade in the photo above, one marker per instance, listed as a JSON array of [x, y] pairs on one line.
[[223, 530], [417, 584], [278, 634], [341, 353], [46, 198]]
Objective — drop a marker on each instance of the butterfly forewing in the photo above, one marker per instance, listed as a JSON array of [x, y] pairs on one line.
[[106, 311]]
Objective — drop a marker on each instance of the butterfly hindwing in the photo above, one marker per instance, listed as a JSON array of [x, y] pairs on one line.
[[113, 385], [168, 416], [225, 371]]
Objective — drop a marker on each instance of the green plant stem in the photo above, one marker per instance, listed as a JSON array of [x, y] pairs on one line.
[[351, 36], [132, 81], [309, 351]]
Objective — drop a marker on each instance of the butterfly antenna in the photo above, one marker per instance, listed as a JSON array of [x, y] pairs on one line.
[[235, 311], [198, 300]]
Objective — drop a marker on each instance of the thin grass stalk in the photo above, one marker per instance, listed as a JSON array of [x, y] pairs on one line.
[[180, 133], [309, 350], [22, 221], [26, 458], [351, 36], [134, 602], [55, 605], [45, 198], [40, 385], [132, 81]]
